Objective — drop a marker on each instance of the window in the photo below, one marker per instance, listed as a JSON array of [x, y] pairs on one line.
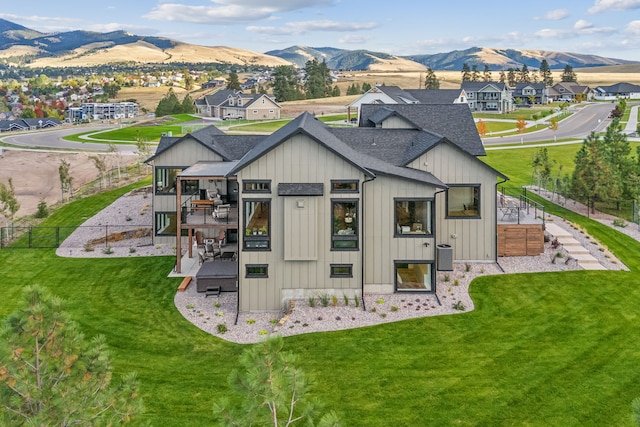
[[463, 201], [254, 271], [257, 224], [341, 270], [344, 186], [344, 234], [255, 111], [414, 276], [166, 224], [413, 217], [166, 179], [262, 186]]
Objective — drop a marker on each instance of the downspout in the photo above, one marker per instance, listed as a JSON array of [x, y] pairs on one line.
[[435, 230], [178, 266], [362, 217], [495, 209]]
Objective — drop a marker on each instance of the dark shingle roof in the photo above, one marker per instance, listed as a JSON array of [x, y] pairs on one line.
[[620, 88], [219, 97], [204, 135], [476, 86], [454, 122], [401, 96], [435, 96], [304, 124]]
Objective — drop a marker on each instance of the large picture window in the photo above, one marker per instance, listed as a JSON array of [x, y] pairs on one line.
[[166, 180], [344, 234], [414, 217], [414, 276], [257, 225], [463, 201]]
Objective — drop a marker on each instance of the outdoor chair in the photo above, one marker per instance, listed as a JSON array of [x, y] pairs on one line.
[[210, 251], [199, 240], [222, 212]]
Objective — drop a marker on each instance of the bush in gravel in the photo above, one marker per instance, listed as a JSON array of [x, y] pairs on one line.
[[107, 250], [222, 328], [311, 301], [356, 301], [346, 300], [334, 300], [618, 222], [459, 306], [324, 300], [88, 247]]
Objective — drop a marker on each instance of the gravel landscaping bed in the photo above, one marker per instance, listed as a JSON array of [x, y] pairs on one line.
[[217, 314]]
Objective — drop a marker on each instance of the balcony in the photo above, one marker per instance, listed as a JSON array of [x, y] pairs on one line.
[[198, 215]]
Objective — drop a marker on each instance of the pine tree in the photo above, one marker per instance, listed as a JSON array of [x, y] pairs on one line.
[[466, 73], [285, 84], [486, 74], [503, 77], [568, 75], [475, 74], [51, 376], [524, 74], [511, 77], [593, 177], [274, 390], [431, 81], [318, 83], [233, 83], [366, 87], [545, 73]]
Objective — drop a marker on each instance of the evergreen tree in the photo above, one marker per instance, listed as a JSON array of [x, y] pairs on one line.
[[503, 77], [466, 73], [187, 105], [28, 113], [593, 177], [475, 74], [51, 376], [431, 81], [285, 84], [168, 104], [335, 91], [233, 83], [486, 73], [568, 75], [366, 87], [511, 77], [524, 75], [545, 73], [274, 390], [318, 83]]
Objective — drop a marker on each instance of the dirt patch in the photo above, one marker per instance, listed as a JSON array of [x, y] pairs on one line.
[[36, 177]]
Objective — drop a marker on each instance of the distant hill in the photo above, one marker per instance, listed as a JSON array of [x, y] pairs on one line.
[[496, 59], [19, 44], [81, 48]]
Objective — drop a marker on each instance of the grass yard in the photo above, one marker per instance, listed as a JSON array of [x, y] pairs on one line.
[[553, 349]]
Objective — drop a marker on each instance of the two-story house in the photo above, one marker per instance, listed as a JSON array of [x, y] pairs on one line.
[[489, 96], [569, 91], [338, 210], [235, 104], [530, 94]]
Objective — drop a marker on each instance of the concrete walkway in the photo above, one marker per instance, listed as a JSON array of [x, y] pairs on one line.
[[632, 124], [573, 247]]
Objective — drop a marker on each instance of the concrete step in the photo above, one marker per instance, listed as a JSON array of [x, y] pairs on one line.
[[592, 266], [556, 231], [575, 250], [568, 241]]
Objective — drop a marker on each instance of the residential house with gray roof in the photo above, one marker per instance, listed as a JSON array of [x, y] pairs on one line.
[[617, 91], [316, 209], [530, 94], [569, 92], [493, 97], [235, 104]]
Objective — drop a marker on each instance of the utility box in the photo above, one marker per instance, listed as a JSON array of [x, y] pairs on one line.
[[444, 257]]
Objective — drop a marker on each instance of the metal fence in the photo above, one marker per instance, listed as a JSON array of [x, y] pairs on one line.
[[84, 236]]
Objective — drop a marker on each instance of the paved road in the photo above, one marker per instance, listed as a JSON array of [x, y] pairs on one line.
[[53, 139], [593, 117]]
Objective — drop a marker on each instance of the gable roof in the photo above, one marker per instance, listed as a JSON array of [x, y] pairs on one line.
[[205, 136], [619, 88], [399, 95], [478, 86], [219, 97], [304, 124], [452, 121]]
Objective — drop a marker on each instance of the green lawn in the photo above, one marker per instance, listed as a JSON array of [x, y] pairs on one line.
[[559, 349], [526, 113]]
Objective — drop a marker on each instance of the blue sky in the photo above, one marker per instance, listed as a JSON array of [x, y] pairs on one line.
[[603, 27]]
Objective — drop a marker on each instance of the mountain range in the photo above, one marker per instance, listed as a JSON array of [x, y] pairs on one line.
[[21, 45]]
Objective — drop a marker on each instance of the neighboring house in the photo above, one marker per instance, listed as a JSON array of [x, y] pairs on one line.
[[234, 104], [567, 91], [103, 111], [489, 96], [617, 91], [28, 124], [395, 95], [316, 209], [531, 93]]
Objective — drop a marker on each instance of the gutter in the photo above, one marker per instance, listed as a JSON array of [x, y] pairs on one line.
[[362, 217], [435, 229]]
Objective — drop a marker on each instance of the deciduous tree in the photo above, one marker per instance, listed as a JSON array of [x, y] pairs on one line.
[[66, 180], [482, 127], [8, 202]]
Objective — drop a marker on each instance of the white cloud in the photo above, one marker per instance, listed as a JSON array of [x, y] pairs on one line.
[[556, 14], [301, 27], [354, 39], [606, 5], [230, 11], [633, 27], [581, 24]]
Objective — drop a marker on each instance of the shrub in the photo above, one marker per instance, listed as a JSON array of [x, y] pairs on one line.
[[394, 308], [251, 321], [618, 222], [324, 300], [311, 301], [334, 300], [222, 328], [356, 301], [459, 306], [132, 250], [88, 247], [107, 250], [346, 300], [42, 211], [446, 278]]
